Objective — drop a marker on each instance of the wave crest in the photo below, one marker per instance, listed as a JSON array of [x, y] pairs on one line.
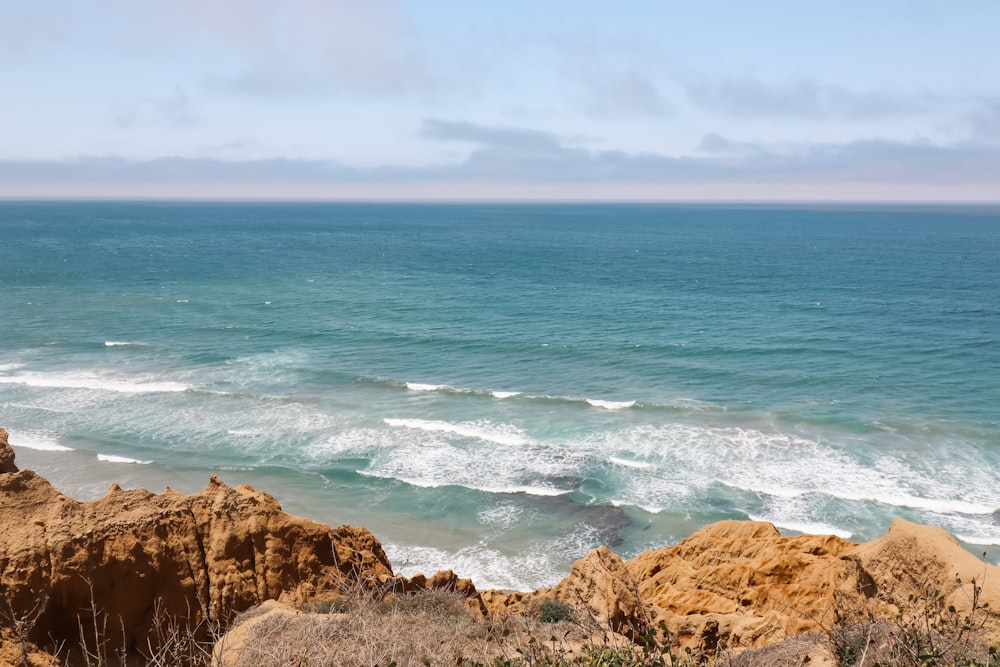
[[111, 458], [610, 405], [480, 430], [94, 381]]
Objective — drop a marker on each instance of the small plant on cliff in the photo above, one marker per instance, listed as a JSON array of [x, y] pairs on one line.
[[596, 656], [21, 624], [644, 656], [553, 611], [929, 632]]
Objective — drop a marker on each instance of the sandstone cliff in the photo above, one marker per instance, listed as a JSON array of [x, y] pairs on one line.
[[137, 558], [742, 584]]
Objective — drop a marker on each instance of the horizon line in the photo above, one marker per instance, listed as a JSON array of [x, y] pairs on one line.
[[271, 199]]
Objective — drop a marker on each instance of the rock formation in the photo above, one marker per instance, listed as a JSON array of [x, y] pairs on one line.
[[742, 584], [599, 585], [138, 558], [6, 454]]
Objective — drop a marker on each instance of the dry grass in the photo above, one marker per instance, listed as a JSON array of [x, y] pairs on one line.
[[926, 631], [791, 652], [364, 631], [426, 628]]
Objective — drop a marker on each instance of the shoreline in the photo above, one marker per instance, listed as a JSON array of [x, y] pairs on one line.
[[413, 547], [732, 584]]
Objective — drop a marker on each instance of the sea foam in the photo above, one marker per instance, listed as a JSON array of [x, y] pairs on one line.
[[542, 491], [417, 386], [37, 441], [504, 394], [487, 566], [111, 458], [628, 463], [501, 435], [93, 381], [610, 405]]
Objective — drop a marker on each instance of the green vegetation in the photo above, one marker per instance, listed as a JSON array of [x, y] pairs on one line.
[[553, 611]]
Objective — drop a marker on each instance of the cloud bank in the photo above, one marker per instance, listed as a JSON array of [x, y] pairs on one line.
[[510, 156], [749, 97]]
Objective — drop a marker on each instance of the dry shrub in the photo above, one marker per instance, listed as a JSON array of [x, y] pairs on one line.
[[925, 632], [175, 640]]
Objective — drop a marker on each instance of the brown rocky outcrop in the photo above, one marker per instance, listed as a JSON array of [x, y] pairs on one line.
[[6, 454], [735, 582], [742, 584], [444, 580], [599, 585], [137, 558]]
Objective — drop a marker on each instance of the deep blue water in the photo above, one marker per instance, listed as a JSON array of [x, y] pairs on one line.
[[499, 388]]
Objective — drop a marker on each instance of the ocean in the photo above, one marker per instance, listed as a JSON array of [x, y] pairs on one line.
[[498, 389]]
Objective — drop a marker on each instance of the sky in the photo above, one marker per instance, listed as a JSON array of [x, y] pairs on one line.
[[516, 100]]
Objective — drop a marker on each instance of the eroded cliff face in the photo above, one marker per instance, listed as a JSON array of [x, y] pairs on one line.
[[742, 584], [137, 558], [738, 583]]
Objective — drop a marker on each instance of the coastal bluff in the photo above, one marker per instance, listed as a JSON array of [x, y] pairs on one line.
[[133, 561], [136, 560]]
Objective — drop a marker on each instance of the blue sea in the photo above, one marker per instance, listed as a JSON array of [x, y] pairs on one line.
[[498, 389]]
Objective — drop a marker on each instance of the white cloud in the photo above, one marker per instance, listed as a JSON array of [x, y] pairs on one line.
[[174, 110], [749, 97], [525, 140], [624, 94]]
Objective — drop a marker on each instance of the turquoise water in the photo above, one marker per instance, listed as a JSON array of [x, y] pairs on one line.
[[499, 388]]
